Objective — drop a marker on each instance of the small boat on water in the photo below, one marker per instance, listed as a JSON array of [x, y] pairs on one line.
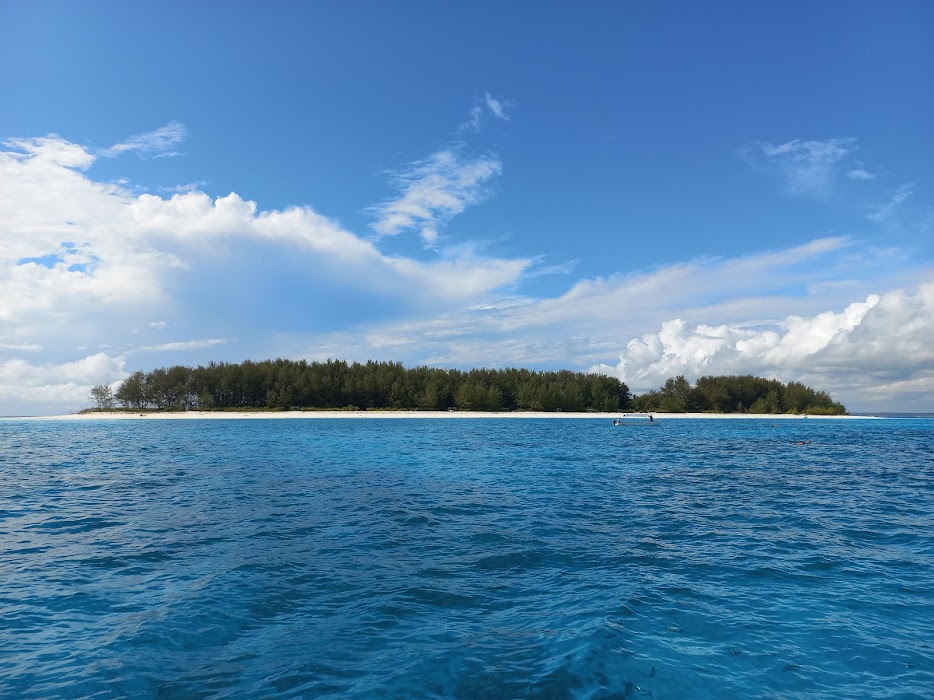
[[635, 419]]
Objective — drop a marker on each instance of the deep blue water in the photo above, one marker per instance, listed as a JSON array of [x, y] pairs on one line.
[[468, 558]]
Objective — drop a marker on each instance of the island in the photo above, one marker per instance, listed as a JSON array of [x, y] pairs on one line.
[[289, 385]]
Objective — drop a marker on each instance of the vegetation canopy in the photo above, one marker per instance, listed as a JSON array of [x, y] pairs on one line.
[[335, 384], [737, 394], [284, 384]]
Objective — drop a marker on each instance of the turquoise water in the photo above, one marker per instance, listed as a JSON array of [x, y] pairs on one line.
[[468, 558]]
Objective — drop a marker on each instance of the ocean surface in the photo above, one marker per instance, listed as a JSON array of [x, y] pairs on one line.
[[467, 558]]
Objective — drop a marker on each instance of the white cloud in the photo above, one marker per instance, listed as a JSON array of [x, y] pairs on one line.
[[82, 267], [860, 174], [808, 167], [87, 266], [497, 107], [888, 210], [155, 144], [182, 189], [509, 302], [474, 121], [187, 345], [48, 150], [133, 246], [540, 270], [20, 347], [64, 386], [435, 190], [489, 106], [773, 304], [702, 283], [861, 352]]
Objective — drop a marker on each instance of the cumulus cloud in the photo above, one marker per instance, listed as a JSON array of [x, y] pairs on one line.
[[160, 143], [63, 386], [881, 342], [45, 151], [808, 167], [434, 191], [84, 267], [132, 246]]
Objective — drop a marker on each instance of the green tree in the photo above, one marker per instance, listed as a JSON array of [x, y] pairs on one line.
[[737, 394], [103, 396], [675, 395], [132, 391], [473, 395]]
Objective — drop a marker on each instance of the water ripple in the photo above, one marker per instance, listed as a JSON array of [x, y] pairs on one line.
[[467, 559]]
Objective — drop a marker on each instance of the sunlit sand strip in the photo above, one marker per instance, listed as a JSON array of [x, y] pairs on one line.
[[370, 415]]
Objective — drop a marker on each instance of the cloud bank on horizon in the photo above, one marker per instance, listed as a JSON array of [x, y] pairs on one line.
[[100, 279], [613, 192]]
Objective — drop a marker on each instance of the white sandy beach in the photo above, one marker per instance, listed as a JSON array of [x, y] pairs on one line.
[[369, 415]]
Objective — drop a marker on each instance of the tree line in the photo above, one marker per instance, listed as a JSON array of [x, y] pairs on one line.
[[737, 394], [335, 384], [285, 384]]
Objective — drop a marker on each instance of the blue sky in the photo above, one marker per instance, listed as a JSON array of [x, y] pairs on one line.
[[641, 189]]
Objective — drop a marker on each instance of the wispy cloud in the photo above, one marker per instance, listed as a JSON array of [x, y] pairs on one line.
[[435, 190], [182, 189], [497, 107], [20, 347], [860, 173], [539, 270], [482, 110], [808, 167], [160, 143], [187, 345], [886, 211]]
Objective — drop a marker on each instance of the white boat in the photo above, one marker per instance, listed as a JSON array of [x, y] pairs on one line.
[[635, 419]]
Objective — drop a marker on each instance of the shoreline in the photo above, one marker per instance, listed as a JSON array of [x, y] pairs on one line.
[[371, 415]]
